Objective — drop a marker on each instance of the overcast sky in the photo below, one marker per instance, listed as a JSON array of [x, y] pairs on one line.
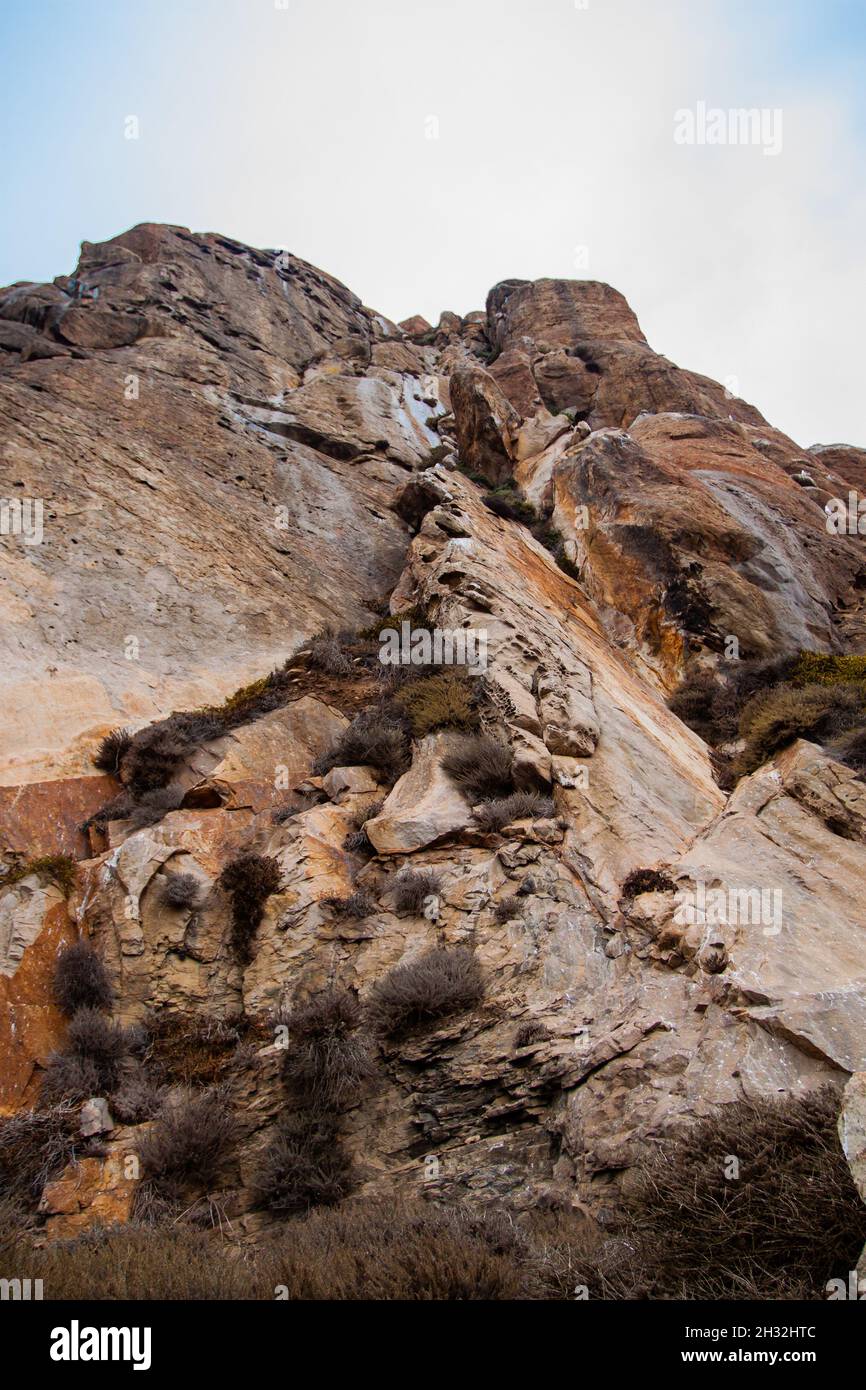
[[421, 152]]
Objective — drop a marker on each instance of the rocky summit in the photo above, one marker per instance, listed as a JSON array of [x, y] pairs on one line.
[[486, 926]]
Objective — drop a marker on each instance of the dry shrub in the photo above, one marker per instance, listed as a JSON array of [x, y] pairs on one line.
[[249, 879], [327, 654], [444, 981], [774, 718], [154, 753], [60, 869], [151, 807], [372, 739], [850, 749], [81, 980], [820, 668], [789, 1222], [112, 751], [412, 887], [495, 815], [137, 1099], [391, 1251], [95, 1051], [645, 881], [191, 1049], [509, 908], [34, 1146], [357, 841], [188, 1141], [305, 1165], [532, 1031], [444, 700], [481, 767], [181, 891], [167, 1264], [358, 905], [329, 1060], [71, 1078]]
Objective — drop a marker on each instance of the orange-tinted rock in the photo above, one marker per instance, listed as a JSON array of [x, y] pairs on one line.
[[31, 1025]]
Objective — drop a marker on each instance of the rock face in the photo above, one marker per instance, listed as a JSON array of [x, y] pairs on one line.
[[234, 453]]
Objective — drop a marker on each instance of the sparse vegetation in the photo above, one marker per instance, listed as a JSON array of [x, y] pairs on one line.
[[181, 891], [774, 718], [509, 908], [358, 904], [249, 879], [646, 881], [481, 767], [34, 1146], [792, 1220], [444, 981], [812, 695], [305, 1165], [372, 739], [81, 980], [357, 841], [60, 869], [151, 807], [99, 1041], [442, 700], [192, 1049], [402, 1251], [112, 751], [524, 805], [328, 1060], [532, 1031], [166, 1263], [188, 1141], [412, 887]]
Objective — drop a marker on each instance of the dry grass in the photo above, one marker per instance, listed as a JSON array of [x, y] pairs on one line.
[[188, 1141], [442, 700], [445, 981], [304, 1165], [81, 980], [373, 739], [495, 815], [329, 1059], [412, 887], [774, 718], [192, 1049], [358, 905], [392, 1251], [167, 1264], [34, 1146], [112, 751], [249, 879], [481, 767], [181, 891], [788, 1223]]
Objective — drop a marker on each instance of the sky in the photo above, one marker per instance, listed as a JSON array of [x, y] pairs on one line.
[[421, 152]]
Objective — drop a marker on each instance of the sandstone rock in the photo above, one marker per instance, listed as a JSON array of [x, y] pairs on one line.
[[423, 807], [96, 1117], [341, 782], [486, 423]]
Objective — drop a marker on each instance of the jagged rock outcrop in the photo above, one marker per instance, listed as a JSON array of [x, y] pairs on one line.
[[287, 461]]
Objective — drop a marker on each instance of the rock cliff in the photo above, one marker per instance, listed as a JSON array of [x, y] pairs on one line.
[[234, 456]]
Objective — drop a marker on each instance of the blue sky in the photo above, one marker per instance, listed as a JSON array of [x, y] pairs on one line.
[[308, 126]]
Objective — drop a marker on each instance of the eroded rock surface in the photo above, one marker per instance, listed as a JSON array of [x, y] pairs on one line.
[[235, 453]]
